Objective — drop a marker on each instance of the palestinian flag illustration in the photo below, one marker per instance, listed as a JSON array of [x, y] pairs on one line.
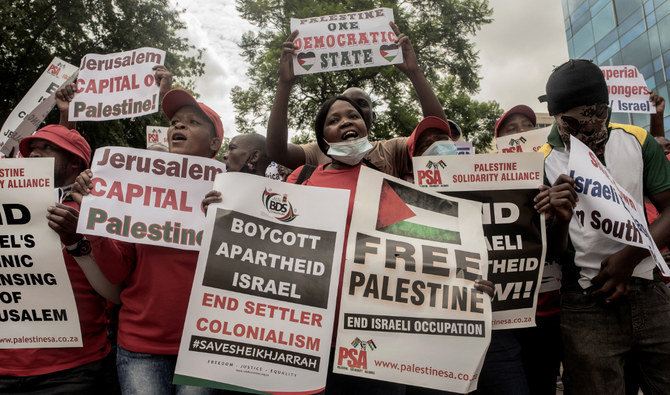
[[428, 217], [306, 60], [389, 51]]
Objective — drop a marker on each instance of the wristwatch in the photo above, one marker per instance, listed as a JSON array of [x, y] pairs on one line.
[[83, 247]]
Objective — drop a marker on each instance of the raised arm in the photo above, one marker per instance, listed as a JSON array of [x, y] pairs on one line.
[[277, 146], [64, 96], [656, 120], [430, 105]]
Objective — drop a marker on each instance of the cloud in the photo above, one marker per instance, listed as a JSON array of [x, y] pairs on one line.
[[518, 51]]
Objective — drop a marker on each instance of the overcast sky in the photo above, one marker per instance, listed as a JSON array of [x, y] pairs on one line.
[[517, 51]]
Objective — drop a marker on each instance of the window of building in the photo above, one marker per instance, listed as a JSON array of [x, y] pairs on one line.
[[603, 23], [583, 40], [637, 52], [626, 7]]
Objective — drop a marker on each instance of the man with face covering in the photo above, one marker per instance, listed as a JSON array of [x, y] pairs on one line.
[[613, 307]]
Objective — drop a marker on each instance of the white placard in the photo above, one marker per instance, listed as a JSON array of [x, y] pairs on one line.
[[345, 41], [148, 197]]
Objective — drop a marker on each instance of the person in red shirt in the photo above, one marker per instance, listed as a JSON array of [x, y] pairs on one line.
[[80, 370], [157, 279]]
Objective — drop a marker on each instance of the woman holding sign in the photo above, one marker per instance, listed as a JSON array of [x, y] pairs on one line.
[[341, 134]]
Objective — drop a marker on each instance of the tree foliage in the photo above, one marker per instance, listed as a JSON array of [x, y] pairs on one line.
[[34, 31], [438, 30]]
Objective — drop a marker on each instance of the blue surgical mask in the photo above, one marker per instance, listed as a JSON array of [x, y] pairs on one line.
[[441, 148], [350, 152]]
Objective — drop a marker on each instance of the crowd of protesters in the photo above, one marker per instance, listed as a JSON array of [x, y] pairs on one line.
[[608, 326]]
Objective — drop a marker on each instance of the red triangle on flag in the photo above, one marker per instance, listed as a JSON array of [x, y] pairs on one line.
[[392, 209]]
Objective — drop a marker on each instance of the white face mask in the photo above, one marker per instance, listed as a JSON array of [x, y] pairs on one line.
[[350, 152], [440, 148]]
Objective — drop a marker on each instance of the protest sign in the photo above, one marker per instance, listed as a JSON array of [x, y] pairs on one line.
[[157, 136], [261, 312], [35, 105], [135, 190], [530, 141], [515, 233], [345, 41], [409, 312], [117, 85], [38, 307], [627, 90], [606, 207], [464, 148]]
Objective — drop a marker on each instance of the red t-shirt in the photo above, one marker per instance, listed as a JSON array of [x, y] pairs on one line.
[[158, 284], [91, 309], [340, 179]]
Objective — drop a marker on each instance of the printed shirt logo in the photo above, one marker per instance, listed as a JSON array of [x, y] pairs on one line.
[[278, 206]]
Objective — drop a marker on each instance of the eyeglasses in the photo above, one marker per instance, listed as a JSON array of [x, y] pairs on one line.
[[574, 125]]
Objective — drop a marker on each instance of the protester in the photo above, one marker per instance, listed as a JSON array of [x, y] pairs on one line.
[[656, 127], [389, 156], [246, 154], [539, 346], [664, 143], [609, 292], [428, 132], [517, 119], [70, 370], [157, 279]]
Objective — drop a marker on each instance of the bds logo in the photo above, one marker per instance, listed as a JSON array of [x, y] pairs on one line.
[[356, 359], [278, 206]]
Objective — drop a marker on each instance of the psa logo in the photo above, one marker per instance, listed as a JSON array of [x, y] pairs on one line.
[[515, 145], [278, 206], [432, 175], [356, 359]]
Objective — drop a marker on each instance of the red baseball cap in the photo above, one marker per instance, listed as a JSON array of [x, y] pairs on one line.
[[520, 109], [178, 98], [68, 139], [429, 122]]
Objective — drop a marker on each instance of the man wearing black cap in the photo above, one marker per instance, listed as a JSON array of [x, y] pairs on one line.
[[613, 307]]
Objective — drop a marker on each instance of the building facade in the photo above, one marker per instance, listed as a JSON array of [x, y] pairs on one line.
[[624, 32]]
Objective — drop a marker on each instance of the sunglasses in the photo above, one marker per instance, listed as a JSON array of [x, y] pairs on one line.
[[573, 125]]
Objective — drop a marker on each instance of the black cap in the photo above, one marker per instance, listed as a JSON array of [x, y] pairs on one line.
[[577, 82]]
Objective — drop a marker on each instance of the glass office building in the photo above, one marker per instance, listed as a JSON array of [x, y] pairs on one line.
[[624, 32]]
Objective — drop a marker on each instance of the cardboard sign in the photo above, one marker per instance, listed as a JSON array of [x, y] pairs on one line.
[[117, 85], [35, 105], [606, 207], [408, 291], [345, 41], [148, 197], [627, 89], [530, 141], [515, 232], [261, 312], [38, 309]]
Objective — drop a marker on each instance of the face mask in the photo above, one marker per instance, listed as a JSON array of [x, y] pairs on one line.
[[587, 123], [350, 152], [441, 148]]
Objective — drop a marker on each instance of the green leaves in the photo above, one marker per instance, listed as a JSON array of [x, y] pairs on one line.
[[33, 32], [439, 31]]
